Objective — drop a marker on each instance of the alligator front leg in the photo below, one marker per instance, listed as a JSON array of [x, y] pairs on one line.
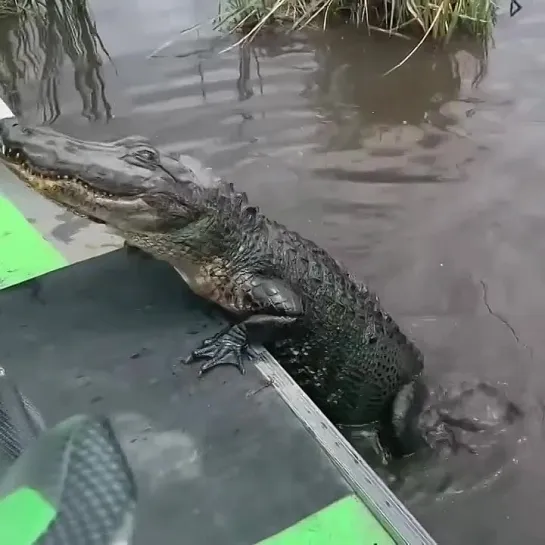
[[273, 304]]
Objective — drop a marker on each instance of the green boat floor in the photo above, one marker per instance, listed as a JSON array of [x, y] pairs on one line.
[[24, 253], [15, 526], [346, 522]]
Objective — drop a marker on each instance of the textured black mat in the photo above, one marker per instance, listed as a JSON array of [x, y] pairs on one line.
[[216, 463]]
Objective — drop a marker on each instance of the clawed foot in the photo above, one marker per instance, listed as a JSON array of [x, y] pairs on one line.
[[225, 348]]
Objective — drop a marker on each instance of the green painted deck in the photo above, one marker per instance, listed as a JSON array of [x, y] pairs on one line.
[[346, 521], [24, 253]]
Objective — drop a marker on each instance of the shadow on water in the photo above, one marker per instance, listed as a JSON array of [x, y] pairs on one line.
[[34, 46]]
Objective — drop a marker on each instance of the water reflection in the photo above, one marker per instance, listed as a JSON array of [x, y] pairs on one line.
[[34, 46], [349, 105], [350, 83]]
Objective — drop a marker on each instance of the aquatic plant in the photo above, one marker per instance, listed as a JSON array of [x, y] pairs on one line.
[[438, 19]]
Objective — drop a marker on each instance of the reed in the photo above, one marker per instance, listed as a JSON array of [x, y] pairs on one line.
[[437, 19]]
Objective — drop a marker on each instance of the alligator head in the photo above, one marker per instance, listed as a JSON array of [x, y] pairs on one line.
[[128, 184]]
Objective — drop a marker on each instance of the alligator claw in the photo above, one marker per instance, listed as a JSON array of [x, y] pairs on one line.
[[215, 338], [224, 348]]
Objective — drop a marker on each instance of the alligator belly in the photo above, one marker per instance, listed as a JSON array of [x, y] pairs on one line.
[[210, 286]]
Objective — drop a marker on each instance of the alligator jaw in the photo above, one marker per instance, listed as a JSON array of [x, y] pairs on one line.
[[46, 183], [76, 195], [35, 178]]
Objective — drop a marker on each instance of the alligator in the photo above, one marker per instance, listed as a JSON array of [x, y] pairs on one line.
[[327, 329]]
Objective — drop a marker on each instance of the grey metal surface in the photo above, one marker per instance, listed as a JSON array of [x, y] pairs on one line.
[[217, 460]]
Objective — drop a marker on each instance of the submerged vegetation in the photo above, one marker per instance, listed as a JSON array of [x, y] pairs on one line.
[[438, 19]]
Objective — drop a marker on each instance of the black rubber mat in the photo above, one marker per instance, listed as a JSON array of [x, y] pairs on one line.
[[218, 460]]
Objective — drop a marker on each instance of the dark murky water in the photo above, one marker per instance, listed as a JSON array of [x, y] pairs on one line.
[[429, 183]]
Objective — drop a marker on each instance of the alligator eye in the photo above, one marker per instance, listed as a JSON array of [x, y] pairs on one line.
[[147, 155]]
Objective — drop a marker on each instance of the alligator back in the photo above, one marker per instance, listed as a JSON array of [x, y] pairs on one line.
[[346, 352]]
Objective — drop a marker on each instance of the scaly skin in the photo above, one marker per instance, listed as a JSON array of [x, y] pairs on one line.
[[327, 330]]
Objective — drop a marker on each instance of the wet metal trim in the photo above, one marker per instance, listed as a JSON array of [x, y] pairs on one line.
[[380, 500]]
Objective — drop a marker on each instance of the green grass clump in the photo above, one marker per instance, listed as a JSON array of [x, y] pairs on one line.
[[424, 18]]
